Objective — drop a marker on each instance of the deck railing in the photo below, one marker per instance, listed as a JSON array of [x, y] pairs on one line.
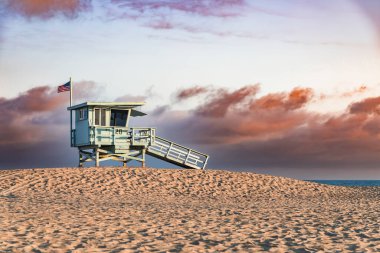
[[122, 136], [142, 136]]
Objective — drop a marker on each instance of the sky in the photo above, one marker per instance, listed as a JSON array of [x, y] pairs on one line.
[[282, 87]]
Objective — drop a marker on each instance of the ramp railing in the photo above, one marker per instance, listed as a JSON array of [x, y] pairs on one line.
[[177, 154]]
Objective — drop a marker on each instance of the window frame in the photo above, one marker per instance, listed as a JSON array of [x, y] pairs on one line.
[[102, 120], [82, 114]]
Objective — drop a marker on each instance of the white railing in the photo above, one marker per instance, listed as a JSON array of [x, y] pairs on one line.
[[142, 136], [135, 136], [104, 135], [183, 155]]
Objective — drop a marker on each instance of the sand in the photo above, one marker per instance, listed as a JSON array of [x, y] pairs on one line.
[[141, 210]]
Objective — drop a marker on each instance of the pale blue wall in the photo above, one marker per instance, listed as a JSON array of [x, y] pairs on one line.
[[81, 129]]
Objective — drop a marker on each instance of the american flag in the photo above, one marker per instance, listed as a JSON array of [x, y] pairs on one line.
[[64, 87]]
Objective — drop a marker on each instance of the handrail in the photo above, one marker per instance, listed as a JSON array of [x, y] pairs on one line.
[[142, 136], [160, 138], [181, 154]]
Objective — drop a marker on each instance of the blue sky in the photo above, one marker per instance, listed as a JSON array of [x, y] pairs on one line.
[[154, 49]]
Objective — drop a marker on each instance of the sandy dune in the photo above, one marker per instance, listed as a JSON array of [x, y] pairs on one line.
[[139, 210]]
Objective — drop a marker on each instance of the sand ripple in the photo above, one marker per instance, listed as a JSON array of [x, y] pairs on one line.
[[139, 210]]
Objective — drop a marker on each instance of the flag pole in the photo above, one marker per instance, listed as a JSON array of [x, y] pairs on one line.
[[71, 113], [71, 92]]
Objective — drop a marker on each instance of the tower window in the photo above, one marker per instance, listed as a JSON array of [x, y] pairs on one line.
[[119, 118], [82, 113], [100, 117]]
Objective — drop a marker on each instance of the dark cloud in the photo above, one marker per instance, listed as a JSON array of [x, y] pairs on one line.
[[277, 131], [239, 129], [47, 8], [367, 106]]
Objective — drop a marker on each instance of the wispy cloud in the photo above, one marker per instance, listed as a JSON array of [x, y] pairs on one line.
[[190, 92], [213, 8], [202, 17]]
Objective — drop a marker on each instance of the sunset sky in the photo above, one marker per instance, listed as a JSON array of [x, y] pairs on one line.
[[284, 87]]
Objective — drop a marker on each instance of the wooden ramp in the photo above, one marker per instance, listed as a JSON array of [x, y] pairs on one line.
[[179, 155]]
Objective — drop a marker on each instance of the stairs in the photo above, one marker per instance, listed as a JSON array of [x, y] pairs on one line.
[[179, 155]]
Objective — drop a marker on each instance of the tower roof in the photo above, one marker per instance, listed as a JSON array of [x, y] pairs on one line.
[[115, 105]]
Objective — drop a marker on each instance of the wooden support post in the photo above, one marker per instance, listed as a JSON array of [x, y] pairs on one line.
[[96, 157], [143, 157], [80, 159]]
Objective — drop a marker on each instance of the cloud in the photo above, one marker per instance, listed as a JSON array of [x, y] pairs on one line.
[[222, 100], [87, 90], [213, 8], [16, 114], [241, 129], [35, 126], [35, 115], [296, 99], [366, 106], [359, 90], [47, 8], [190, 92], [177, 15]]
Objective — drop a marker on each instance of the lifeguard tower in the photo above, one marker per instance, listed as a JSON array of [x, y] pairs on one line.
[[101, 132]]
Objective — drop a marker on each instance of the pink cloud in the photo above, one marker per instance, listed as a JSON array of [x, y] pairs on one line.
[[47, 8], [29, 116], [240, 128], [190, 92]]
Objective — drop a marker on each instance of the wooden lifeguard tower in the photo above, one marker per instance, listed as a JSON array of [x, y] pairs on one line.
[[101, 132]]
